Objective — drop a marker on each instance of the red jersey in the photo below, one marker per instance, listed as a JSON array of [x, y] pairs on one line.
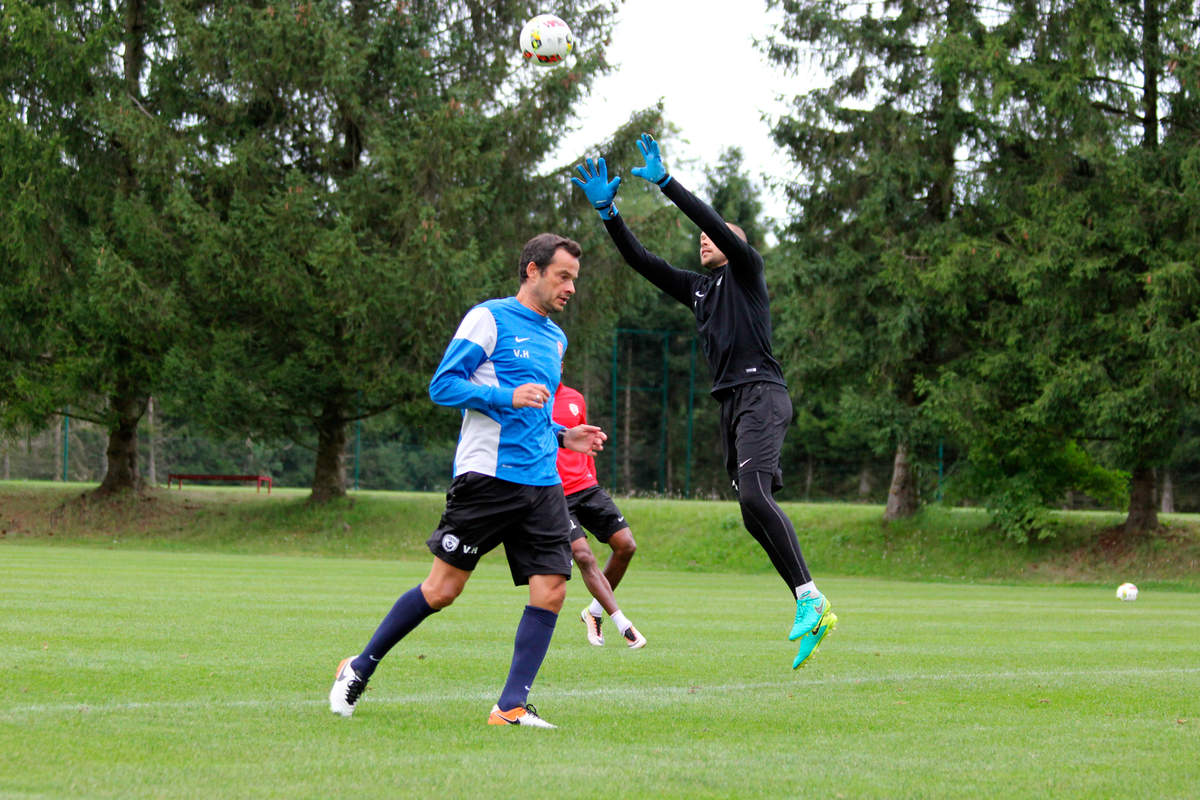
[[577, 470]]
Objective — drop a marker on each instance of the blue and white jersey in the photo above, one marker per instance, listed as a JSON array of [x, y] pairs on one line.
[[500, 345]]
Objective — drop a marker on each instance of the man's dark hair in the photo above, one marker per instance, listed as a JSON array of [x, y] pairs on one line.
[[541, 249]]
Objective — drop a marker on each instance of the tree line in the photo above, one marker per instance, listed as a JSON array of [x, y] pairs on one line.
[[270, 216], [996, 233]]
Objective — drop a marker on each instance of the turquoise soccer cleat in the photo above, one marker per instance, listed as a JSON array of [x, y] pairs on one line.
[[812, 639], [810, 607]]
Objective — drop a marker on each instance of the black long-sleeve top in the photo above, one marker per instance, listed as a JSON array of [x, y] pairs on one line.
[[730, 303]]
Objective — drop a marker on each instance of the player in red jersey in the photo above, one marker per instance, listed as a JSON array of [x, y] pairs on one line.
[[592, 509]]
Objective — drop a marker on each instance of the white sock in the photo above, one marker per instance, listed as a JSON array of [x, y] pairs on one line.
[[595, 609], [808, 587], [619, 620]]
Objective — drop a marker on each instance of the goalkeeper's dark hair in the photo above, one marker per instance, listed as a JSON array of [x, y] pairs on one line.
[[541, 249]]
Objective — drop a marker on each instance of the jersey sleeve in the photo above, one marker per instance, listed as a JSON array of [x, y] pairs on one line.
[[465, 378], [743, 259], [675, 282]]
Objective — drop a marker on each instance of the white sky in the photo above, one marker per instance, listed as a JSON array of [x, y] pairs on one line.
[[698, 56]]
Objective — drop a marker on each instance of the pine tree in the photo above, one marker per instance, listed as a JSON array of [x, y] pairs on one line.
[[364, 172], [882, 198], [1088, 225], [90, 289]]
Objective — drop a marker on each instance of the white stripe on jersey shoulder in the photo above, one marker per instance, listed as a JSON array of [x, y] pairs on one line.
[[479, 327]]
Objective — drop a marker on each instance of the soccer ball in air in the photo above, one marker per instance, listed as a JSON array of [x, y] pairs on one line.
[[1127, 592], [546, 41]]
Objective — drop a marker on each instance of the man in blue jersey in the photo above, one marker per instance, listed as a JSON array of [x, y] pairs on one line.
[[733, 319], [498, 368]]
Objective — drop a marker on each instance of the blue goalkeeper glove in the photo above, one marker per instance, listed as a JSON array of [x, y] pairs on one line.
[[600, 191], [654, 171]]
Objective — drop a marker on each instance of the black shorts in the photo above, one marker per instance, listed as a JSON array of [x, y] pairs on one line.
[[594, 510], [754, 419], [530, 521]]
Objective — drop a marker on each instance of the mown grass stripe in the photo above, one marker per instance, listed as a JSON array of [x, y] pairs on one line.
[[622, 692]]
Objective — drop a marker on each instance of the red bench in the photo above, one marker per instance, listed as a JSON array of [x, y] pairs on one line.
[[258, 479]]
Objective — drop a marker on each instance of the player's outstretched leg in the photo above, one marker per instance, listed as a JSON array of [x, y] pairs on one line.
[[351, 680]]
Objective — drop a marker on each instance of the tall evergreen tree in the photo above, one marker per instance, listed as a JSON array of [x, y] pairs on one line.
[[364, 172], [1089, 225], [89, 296], [882, 196]]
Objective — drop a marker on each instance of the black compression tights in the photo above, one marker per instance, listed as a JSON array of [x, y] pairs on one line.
[[771, 528]]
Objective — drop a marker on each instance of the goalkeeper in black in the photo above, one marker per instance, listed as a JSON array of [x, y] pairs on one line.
[[733, 319]]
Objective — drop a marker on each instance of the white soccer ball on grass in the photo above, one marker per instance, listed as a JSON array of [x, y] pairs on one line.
[[1127, 592]]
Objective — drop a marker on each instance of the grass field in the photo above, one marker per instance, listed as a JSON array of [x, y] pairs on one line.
[[136, 673]]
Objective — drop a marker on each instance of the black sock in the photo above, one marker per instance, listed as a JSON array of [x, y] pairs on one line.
[[405, 615], [529, 650]]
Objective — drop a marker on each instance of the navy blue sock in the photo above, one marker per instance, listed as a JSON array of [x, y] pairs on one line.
[[533, 640], [405, 615]]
